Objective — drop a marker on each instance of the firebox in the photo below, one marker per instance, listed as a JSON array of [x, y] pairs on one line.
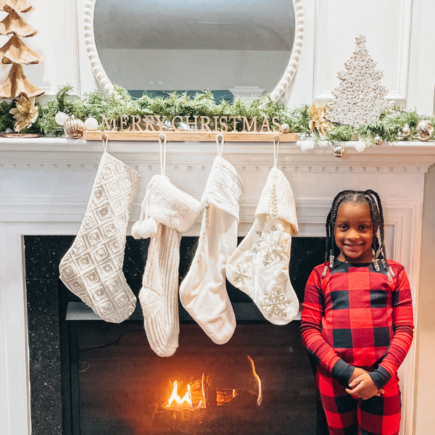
[[89, 377]]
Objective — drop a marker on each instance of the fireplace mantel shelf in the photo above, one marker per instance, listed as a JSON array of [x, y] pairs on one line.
[[62, 144]]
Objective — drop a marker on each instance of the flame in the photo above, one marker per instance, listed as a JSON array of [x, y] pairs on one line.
[[260, 396], [182, 401], [194, 397]]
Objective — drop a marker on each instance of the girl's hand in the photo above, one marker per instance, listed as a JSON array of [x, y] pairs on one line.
[[363, 387]]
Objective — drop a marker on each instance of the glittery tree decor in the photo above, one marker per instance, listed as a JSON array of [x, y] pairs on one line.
[[15, 51], [360, 98]]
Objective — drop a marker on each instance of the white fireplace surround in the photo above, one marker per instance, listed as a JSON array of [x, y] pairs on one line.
[[45, 185]]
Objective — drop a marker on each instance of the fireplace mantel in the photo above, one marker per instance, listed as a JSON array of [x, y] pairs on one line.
[[45, 184]]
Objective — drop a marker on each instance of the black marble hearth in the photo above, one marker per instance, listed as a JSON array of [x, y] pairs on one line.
[[63, 401]]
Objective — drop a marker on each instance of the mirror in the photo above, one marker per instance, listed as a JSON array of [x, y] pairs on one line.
[[240, 47]]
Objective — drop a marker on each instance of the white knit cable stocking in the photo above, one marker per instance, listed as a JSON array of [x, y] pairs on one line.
[[92, 267], [260, 264], [159, 293], [203, 292], [166, 213]]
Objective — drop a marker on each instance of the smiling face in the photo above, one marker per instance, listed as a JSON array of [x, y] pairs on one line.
[[354, 232]]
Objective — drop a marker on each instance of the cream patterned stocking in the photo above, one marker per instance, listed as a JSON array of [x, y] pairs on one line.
[[260, 264], [92, 267], [203, 292]]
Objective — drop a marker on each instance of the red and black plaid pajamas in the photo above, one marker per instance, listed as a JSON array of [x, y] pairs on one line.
[[356, 317]]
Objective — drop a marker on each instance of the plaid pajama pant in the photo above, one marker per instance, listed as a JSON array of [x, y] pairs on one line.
[[348, 416]]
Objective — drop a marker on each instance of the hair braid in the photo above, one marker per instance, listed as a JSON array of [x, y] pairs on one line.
[[373, 200]]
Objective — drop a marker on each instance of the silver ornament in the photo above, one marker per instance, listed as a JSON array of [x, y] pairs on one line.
[[406, 131], [338, 150], [424, 130], [74, 128], [284, 128], [91, 124], [60, 118], [399, 136], [378, 140]]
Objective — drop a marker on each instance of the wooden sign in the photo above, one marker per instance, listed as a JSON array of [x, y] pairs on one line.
[[221, 124]]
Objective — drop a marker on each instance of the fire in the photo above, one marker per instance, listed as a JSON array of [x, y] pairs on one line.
[[185, 401], [260, 396], [194, 397]]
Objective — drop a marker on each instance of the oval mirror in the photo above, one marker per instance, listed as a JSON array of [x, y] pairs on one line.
[[242, 48]]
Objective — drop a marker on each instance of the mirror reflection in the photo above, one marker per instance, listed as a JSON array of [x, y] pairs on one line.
[[168, 45]]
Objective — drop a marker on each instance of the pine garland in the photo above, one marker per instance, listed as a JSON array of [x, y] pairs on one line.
[[388, 126]]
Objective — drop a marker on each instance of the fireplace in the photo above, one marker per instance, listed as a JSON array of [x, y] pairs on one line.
[[108, 380], [45, 188]]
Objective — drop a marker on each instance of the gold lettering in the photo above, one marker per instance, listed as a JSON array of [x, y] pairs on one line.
[[223, 125], [109, 125], [265, 125], [204, 124], [275, 122], [248, 125]]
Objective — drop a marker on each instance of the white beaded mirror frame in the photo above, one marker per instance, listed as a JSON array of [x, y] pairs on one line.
[[275, 95]]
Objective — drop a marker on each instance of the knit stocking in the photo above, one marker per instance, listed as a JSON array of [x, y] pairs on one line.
[[260, 264], [92, 267], [159, 293], [166, 213], [203, 292]]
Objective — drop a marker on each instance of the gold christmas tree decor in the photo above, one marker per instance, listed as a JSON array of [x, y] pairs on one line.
[[17, 53], [360, 97]]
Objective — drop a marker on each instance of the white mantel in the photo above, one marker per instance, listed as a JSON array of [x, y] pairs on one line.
[[45, 184]]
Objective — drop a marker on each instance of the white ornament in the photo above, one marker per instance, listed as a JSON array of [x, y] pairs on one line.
[[60, 118], [91, 124], [360, 146], [285, 128], [360, 97]]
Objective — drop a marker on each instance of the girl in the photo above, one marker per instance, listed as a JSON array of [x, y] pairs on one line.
[[357, 320]]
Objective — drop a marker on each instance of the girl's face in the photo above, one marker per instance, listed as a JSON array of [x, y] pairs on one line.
[[354, 232]]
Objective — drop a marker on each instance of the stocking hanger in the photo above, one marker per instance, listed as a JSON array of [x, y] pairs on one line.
[[220, 143], [275, 150], [105, 139], [162, 143]]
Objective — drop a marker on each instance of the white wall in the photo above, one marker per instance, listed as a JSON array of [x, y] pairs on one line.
[[400, 37]]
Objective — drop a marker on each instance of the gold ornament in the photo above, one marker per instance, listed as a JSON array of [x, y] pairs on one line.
[[25, 113], [406, 131], [378, 140], [318, 120], [74, 128], [284, 128], [424, 130], [338, 150]]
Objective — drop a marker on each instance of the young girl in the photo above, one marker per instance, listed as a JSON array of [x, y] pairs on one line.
[[357, 320]]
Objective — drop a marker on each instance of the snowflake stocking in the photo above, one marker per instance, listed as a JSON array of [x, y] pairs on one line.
[[92, 267], [260, 264], [203, 292]]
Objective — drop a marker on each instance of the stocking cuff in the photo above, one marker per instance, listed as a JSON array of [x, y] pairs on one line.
[[167, 204], [224, 187], [277, 199]]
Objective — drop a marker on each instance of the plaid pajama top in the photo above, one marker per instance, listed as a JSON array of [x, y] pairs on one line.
[[356, 317]]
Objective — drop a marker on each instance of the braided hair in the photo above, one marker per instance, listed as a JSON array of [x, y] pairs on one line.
[[372, 199]]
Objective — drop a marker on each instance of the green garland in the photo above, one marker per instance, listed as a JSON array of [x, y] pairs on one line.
[[388, 125]]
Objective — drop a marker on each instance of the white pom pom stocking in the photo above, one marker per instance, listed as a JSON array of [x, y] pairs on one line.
[[92, 267], [166, 213], [260, 264], [203, 292]]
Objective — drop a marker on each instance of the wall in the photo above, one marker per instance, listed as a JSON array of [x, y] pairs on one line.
[[424, 415], [401, 38]]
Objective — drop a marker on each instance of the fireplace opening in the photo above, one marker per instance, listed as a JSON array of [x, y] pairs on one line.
[[89, 377]]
